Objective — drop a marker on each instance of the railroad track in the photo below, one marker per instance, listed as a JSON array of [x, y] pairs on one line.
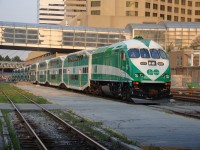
[[179, 110], [31, 133], [186, 95]]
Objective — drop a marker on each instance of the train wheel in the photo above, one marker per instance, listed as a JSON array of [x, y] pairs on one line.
[[125, 93]]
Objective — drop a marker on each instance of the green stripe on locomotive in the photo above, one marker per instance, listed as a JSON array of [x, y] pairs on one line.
[[109, 64], [54, 73], [75, 70]]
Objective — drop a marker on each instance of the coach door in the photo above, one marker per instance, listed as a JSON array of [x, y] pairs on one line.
[[80, 78], [123, 65], [68, 77]]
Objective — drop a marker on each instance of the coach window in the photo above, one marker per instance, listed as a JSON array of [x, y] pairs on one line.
[[144, 53], [163, 55], [154, 54], [134, 53], [60, 71], [123, 56]]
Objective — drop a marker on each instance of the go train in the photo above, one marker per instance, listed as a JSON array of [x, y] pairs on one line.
[[128, 69]]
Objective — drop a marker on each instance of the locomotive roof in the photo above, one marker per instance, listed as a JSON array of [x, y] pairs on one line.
[[133, 43], [149, 44]]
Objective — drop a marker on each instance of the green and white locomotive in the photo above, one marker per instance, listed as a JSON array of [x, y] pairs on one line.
[[133, 68], [128, 69]]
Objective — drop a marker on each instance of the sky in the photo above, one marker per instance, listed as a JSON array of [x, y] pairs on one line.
[[18, 11]]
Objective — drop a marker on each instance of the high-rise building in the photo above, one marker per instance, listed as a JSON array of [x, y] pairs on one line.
[[74, 8], [50, 11], [119, 13]]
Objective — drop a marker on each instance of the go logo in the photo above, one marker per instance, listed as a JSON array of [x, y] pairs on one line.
[[153, 72]]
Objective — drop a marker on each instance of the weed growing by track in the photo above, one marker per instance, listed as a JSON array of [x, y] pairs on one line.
[[2, 97], [11, 91], [11, 131], [96, 130]]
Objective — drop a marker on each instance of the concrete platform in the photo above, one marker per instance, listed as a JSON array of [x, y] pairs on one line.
[[1, 143], [147, 125]]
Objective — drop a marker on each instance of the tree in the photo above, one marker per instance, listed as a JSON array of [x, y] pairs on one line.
[[1, 58], [7, 58], [138, 38], [16, 58]]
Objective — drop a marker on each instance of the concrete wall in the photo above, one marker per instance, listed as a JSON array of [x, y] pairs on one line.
[[193, 72]]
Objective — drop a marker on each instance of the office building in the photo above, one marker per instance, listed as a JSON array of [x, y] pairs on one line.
[[74, 8], [119, 13], [50, 11]]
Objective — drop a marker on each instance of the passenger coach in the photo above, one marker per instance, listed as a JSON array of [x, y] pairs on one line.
[[128, 69]]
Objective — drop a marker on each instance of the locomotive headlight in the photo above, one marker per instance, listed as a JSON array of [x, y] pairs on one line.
[[136, 75], [141, 75], [160, 63], [167, 76]]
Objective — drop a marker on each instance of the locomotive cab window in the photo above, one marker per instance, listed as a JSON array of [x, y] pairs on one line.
[[163, 55], [134, 53], [144, 53], [154, 54]]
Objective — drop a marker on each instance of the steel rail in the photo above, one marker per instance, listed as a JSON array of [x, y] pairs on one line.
[[89, 140], [27, 125], [182, 113], [186, 96]]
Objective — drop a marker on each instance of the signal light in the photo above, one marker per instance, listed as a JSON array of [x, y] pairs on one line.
[[135, 83], [168, 83]]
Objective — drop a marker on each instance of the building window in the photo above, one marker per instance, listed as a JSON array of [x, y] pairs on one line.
[[182, 2], [136, 4], [197, 20], [169, 17], [95, 4], [197, 4], [175, 18], [162, 7], [189, 20], [131, 13], [147, 5], [162, 0], [189, 3], [95, 12], [155, 6], [182, 11], [129, 3], [176, 1], [155, 14], [147, 14], [169, 1], [182, 19], [176, 9], [162, 16], [189, 12], [197, 12], [169, 9]]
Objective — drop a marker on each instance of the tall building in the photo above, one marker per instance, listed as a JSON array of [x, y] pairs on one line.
[[119, 13], [74, 8], [50, 11]]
